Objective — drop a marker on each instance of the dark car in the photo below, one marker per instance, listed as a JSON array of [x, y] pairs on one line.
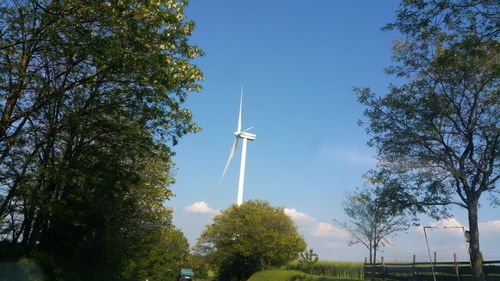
[[186, 274]]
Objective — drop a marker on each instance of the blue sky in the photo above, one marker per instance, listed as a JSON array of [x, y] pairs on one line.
[[298, 62]]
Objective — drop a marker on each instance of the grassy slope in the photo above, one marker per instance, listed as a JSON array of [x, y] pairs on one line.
[[339, 269], [277, 275], [291, 275]]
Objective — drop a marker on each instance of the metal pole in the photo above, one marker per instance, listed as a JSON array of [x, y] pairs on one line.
[[429, 251]]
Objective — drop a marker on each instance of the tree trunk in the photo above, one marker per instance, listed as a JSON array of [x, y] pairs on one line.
[[371, 254], [374, 262], [476, 257]]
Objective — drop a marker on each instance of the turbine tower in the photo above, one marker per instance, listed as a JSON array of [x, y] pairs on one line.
[[244, 136]]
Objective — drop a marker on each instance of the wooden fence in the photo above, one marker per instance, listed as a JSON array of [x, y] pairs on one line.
[[443, 271]]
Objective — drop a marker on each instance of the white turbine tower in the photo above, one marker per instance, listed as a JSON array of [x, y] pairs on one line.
[[244, 136]]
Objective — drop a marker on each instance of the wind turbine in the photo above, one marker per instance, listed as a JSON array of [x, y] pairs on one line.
[[244, 136]]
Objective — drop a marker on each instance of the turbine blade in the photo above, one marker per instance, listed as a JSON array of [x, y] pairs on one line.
[[239, 115], [231, 154]]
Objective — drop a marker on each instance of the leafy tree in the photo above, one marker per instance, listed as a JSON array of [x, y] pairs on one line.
[[438, 133], [86, 57], [307, 259], [371, 221], [200, 266], [162, 259], [249, 238], [91, 98]]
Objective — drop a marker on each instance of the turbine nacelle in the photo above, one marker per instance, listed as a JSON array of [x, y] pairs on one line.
[[245, 135]]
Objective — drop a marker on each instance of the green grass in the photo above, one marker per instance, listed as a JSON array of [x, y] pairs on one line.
[[277, 275], [291, 275], [339, 269]]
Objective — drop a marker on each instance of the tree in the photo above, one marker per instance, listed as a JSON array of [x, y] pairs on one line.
[[307, 259], [249, 238], [371, 221], [85, 58], [162, 259], [91, 101], [200, 266], [438, 134]]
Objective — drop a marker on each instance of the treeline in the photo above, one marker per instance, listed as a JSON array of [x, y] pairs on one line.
[[91, 97]]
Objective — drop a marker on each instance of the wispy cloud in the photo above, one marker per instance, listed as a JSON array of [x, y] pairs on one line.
[[323, 229], [335, 245], [201, 208], [315, 227], [490, 227], [348, 155]]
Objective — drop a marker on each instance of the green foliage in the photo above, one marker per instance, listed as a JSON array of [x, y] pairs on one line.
[[248, 238], [437, 134], [91, 97], [307, 260], [200, 266], [163, 259], [371, 220], [337, 269], [439, 131]]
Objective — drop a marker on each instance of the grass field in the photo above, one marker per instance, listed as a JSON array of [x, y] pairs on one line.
[[292, 275], [339, 269]]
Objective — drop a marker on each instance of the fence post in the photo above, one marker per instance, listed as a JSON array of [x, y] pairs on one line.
[[365, 268], [414, 267], [383, 267], [435, 257], [456, 266]]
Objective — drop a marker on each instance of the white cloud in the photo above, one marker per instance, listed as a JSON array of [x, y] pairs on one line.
[[490, 227], [201, 208], [449, 222], [323, 229], [299, 218], [446, 226], [314, 227], [484, 227]]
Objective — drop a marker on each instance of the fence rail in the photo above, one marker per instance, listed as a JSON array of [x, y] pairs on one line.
[[453, 270]]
